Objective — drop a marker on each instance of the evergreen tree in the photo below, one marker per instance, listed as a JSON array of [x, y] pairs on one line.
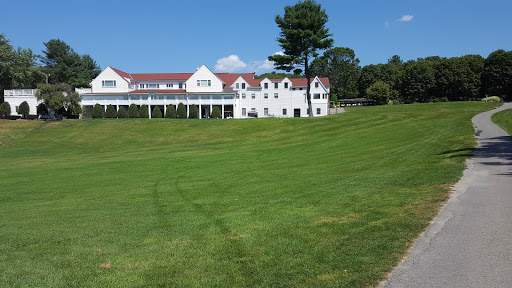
[[143, 111], [24, 109], [194, 112], [121, 113], [170, 113], [303, 32], [41, 109], [157, 113], [182, 111], [133, 112], [97, 111], [111, 111], [5, 109], [216, 112]]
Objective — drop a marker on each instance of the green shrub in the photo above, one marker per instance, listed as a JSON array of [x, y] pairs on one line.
[[157, 113], [97, 111], [5, 109], [143, 111], [111, 111], [216, 112], [194, 111], [122, 112], [24, 109], [492, 99], [133, 112], [170, 112], [41, 109], [394, 102], [32, 117], [182, 111]]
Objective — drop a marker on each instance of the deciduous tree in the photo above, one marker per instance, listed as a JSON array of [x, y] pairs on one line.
[[497, 75], [58, 96], [303, 32], [379, 91]]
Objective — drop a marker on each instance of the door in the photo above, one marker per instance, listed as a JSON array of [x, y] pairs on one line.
[[296, 112]]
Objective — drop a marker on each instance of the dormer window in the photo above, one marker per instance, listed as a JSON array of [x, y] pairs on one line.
[[316, 84], [108, 83], [205, 83], [286, 85], [237, 86], [243, 85], [276, 85], [265, 85], [152, 86]]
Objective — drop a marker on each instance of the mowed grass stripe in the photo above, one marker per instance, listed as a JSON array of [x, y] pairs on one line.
[[324, 202]]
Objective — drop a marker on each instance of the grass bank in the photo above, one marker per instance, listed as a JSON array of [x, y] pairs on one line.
[[325, 202], [504, 120]]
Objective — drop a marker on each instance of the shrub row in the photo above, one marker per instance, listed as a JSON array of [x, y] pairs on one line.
[[143, 112]]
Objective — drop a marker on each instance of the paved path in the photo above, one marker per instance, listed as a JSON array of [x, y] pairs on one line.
[[469, 244]]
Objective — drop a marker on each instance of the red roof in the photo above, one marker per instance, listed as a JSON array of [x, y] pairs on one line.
[[227, 78]]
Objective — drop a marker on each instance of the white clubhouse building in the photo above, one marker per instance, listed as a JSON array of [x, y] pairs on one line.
[[237, 95]]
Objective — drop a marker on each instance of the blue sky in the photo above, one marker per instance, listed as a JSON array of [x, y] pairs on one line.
[[237, 36]]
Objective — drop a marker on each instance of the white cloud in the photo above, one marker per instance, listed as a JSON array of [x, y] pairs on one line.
[[406, 18], [230, 64], [265, 66]]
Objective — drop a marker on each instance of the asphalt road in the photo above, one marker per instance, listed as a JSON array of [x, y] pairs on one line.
[[469, 244]]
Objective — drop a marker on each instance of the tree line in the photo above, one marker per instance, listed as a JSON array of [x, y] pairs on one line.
[[59, 64], [429, 79]]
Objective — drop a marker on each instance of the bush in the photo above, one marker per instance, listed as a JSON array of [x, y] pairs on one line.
[[133, 112], [13, 117], [194, 111], [111, 111], [97, 111], [379, 91], [5, 109], [32, 117], [182, 111], [41, 109], [170, 112], [24, 109], [157, 113], [216, 112], [492, 99], [122, 112], [394, 102], [143, 111]]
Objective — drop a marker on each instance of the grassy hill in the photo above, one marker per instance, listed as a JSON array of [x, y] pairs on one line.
[[504, 120], [325, 202]]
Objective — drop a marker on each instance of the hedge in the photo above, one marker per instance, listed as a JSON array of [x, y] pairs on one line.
[[216, 112], [111, 111], [194, 111], [133, 112], [122, 112]]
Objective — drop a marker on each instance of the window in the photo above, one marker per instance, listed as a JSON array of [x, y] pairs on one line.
[[243, 95], [243, 85], [169, 85], [276, 95], [276, 85], [141, 86], [265, 95], [204, 83], [108, 83], [265, 111], [316, 84], [244, 112], [265, 85], [316, 96], [286, 85], [324, 96], [181, 85], [318, 110], [237, 86], [284, 112], [152, 86], [253, 96]]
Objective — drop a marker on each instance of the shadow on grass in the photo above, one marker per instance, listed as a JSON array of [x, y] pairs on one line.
[[464, 152]]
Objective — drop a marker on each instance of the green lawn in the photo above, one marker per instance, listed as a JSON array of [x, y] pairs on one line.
[[325, 202], [504, 120]]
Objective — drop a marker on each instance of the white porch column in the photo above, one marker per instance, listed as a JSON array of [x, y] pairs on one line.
[[188, 110], [165, 109], [222, 111], [200, 111], [149, 110]]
